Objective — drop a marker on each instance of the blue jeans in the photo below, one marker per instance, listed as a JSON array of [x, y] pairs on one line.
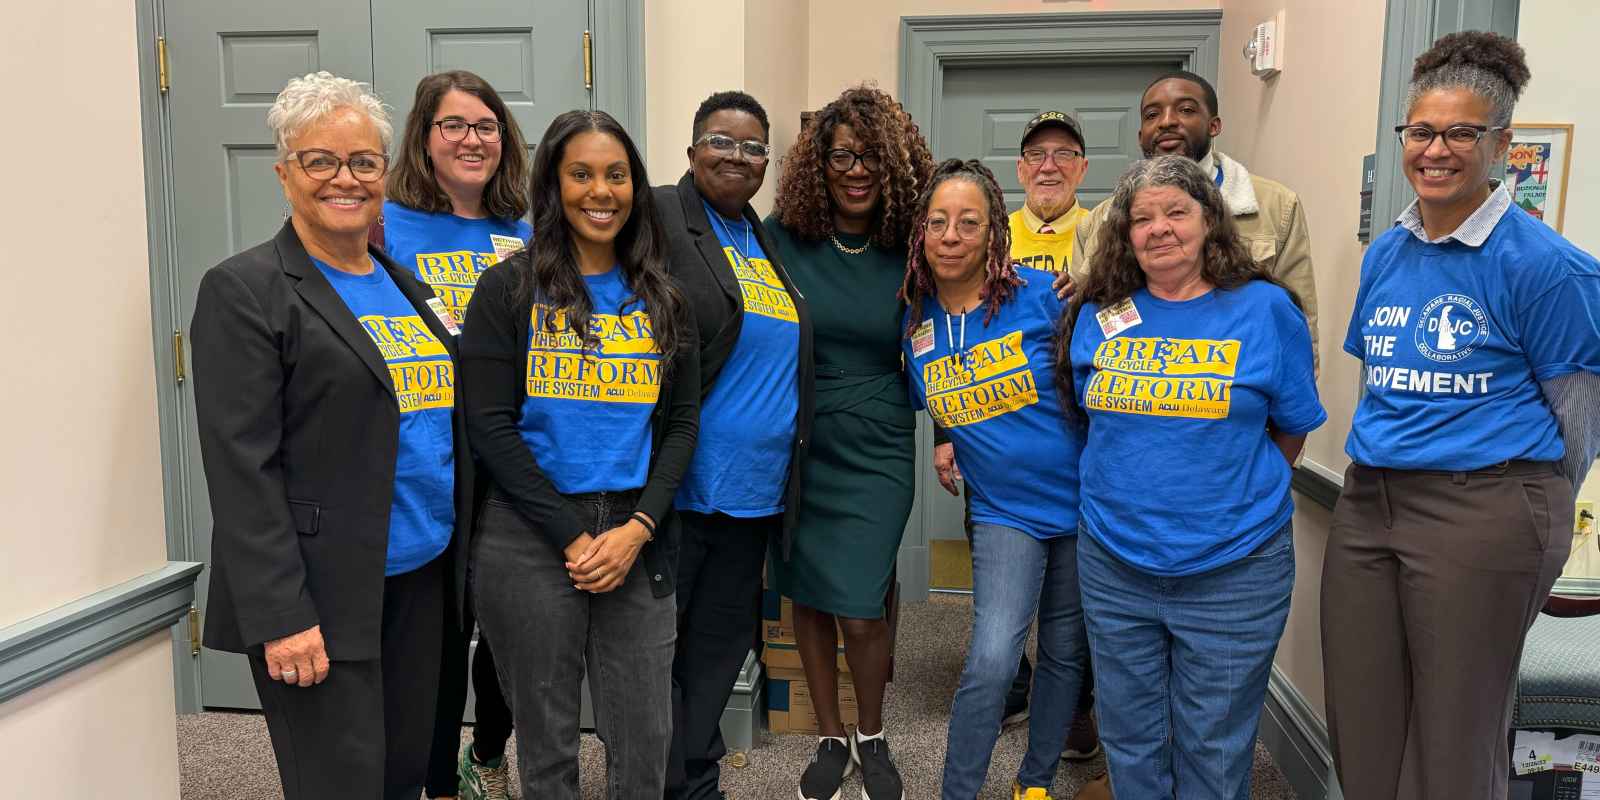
[[1181, 668], [1013, 576]]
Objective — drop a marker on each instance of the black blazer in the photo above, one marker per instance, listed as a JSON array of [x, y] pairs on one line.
[[712, 290], [299, 427]]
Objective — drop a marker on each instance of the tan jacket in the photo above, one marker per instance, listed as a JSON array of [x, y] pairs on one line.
[[1270, 220]]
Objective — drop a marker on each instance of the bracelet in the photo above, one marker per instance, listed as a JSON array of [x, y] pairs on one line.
[[644, 519]]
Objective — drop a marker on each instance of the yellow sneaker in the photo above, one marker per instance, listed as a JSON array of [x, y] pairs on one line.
[[1035, 793]]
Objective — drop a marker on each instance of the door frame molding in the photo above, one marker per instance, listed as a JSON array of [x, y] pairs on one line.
[[619, 88], [930, 45]]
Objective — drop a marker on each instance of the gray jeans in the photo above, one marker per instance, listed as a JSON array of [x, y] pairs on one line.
[[545, 633]]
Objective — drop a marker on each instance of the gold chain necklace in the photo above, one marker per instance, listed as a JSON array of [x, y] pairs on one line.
[[851, 251]]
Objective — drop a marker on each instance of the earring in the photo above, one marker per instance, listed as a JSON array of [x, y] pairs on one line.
[[380, 219], [286, 212]]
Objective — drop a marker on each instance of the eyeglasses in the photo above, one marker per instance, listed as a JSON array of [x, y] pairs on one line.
[[1034, 157], [454, 129], [842, 160], [754, 151], [1460, 138], [965, 228], [323, 166]]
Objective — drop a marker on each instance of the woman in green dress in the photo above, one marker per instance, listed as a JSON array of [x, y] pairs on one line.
[[843, 216]]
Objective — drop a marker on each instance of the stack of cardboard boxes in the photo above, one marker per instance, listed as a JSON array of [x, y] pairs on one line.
[[789, 708]]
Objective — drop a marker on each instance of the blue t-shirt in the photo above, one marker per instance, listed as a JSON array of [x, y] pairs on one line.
[[423, 512], [1016, 449], [586, 414], [1179, 473], [449, 252], [747, 422], [1454, 340]]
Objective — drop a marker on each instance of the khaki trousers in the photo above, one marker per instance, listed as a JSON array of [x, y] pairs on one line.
[[1430, 582]]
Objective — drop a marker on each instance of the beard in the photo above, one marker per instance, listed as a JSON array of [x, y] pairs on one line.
[[1194, 148]]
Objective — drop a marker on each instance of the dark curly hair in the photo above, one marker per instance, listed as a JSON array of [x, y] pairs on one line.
[[725, 101], [1000, 273], [1487, 64], [411, 182], [803, 204], [1114, 271], [547, 270]]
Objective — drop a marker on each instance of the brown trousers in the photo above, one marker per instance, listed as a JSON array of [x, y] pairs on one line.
[[1429, 584]]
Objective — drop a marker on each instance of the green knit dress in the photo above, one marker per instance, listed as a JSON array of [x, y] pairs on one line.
[[858, 480]]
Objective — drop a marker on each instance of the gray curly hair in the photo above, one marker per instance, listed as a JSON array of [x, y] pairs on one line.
[[305, 101]]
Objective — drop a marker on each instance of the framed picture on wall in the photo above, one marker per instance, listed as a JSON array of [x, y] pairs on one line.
[[1537, 165]]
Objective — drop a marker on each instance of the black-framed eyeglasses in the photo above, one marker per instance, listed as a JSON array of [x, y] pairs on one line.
[[842, 160], [753, 150], [1459, 138], [323, 166], [1034, 157], [454, 129], [966, 228]]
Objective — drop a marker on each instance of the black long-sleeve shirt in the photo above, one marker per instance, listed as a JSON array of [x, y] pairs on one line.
[[494, 354]]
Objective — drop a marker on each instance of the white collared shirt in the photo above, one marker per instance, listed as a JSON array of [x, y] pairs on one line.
[[1473, 231]]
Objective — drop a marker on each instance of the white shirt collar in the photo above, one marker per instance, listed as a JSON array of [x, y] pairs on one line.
[[1474, 230]]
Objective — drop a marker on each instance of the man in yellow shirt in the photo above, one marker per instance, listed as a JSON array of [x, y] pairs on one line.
[[1050, 167]]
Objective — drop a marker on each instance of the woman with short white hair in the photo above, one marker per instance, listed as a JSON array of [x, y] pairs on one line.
[[336, 462]]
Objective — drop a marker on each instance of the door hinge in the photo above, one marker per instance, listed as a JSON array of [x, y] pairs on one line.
[[163, 74], [177, 356], [194, 630], [588, 61]]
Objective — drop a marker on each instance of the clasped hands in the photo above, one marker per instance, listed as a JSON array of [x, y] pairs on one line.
[[598, 564]]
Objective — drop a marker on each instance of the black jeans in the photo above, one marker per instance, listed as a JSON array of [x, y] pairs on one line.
[[546, 633], [361, 732], [719, 612], [493, 726]]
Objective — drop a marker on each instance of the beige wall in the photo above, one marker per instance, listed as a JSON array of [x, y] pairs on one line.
[[1309, 128], [696, 47], [1556, 49], [776, 53], [80, 473], [105, 730]]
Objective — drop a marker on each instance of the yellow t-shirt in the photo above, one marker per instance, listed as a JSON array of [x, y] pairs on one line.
[[1051, 252]]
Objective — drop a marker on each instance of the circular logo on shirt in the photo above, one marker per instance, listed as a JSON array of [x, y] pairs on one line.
[[1450, 327]]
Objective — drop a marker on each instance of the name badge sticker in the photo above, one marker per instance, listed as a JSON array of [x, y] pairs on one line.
[[443, 314], [922, 338], [1118, 317], [504, 246]]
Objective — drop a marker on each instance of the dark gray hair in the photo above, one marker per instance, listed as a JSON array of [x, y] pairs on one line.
[[306, 100], [1487, 64]]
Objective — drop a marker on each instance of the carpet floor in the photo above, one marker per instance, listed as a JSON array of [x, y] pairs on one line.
[[226, 756]]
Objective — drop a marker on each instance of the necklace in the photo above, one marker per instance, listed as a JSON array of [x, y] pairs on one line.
[[722, 225], [851, 251]]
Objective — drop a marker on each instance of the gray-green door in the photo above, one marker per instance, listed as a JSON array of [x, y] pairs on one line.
[[984, 108], [230, 58], [981, 114]]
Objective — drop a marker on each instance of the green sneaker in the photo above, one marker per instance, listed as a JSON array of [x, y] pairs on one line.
[[489, 781]]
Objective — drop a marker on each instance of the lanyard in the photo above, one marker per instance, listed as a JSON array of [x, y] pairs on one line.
[[949, 335]]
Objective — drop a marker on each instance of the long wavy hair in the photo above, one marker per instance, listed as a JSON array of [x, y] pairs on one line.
[[803, 203], [1114, 273], [547, 271], [1000, 278], [411, 182]]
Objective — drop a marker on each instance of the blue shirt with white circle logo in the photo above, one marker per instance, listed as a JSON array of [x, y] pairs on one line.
[[1455, 338]]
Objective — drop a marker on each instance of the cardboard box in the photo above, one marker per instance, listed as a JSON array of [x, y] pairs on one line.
[[777, 656], [777, 634], [789, 707]]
